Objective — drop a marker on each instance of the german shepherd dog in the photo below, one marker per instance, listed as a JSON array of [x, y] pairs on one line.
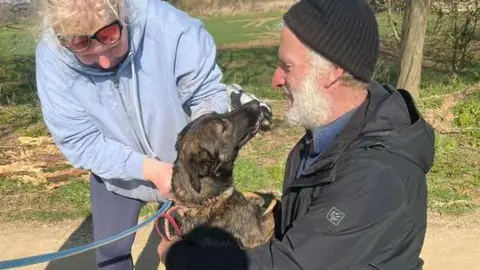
[[202, 183]]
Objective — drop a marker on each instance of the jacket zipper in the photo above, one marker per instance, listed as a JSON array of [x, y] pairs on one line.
[[131, 128]]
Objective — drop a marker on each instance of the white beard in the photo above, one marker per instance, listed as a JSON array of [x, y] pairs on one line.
[[310, 107]]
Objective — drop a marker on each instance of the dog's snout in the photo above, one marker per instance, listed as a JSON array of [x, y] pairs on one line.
[[248, 115]]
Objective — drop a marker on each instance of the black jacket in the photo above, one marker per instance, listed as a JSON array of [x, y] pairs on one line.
[[363, 204]]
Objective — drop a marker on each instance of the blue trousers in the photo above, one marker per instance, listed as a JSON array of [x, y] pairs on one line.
[[112, 214]]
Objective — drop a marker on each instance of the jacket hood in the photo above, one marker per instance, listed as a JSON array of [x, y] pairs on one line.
[[136, 21], [389, 120], [397, 124]]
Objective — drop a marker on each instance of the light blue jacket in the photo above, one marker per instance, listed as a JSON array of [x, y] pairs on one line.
[[109, 122]]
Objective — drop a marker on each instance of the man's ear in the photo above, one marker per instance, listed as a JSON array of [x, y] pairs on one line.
[[334, 76]]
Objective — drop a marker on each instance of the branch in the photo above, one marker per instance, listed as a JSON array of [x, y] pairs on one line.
[[390, 20], [19, 7]]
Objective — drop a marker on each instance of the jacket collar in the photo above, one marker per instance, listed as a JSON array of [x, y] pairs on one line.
[[323, 170]]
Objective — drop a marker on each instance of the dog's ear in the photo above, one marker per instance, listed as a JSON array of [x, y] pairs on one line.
[[199, 166], [193, 177]]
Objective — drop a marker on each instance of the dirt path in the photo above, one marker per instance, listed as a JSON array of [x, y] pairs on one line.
[[19, 240], [451, 243]]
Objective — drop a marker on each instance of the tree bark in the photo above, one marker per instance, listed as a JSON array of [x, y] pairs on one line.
[[411, 49]]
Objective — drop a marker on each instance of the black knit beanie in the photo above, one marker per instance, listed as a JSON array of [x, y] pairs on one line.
[[343, 31]]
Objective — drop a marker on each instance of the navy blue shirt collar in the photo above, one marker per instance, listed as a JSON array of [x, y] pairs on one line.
[[319, 138]]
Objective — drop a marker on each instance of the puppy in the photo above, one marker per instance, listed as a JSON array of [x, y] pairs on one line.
[[202, 183]]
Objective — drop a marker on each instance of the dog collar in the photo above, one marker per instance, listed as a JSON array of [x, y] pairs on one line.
[[167, 221]]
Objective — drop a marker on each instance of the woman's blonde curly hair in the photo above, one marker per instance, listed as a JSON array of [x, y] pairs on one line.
[[79, 17]]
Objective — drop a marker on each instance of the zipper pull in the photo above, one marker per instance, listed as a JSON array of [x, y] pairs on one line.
[[115, 81]]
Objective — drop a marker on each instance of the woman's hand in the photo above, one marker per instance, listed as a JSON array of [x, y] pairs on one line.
[[160, 173]]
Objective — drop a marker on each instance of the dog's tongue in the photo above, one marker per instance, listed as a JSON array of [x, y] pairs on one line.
[[104, 61]]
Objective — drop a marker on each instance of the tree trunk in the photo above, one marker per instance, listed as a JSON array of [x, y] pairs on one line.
[[411, 49]]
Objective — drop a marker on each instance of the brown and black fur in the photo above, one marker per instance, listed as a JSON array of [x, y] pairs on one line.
[[202, 180]]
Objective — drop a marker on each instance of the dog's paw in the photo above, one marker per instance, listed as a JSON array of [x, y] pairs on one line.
[[254, 198], [270, 207], [268, 219]]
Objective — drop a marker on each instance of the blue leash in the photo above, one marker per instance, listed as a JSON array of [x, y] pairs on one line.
[[76, 250]]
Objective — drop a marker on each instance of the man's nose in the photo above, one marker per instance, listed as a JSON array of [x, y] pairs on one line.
[[278, 79]]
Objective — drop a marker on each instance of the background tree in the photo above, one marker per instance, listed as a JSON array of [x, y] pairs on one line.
[[412, 42]]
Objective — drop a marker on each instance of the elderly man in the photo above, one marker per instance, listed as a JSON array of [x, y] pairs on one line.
[[354, 194]]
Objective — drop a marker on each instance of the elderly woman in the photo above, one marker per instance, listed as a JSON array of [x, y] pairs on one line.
[[117, 80]]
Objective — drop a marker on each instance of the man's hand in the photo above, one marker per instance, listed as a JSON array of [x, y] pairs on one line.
[[164, 246], [160, 173]]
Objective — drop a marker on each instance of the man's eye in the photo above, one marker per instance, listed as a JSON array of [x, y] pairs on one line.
[[284, 66]]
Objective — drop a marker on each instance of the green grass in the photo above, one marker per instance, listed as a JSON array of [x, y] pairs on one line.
[[25, 201], [17, 67], [23, 120], [468, 117], [250, 176], [454, 180], [56, 168], [17, 80], [435, 80], [17, 41], [251, 68], [431, 103], [243, 28]]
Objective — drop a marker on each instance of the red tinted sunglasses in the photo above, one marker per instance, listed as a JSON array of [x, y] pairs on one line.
[[107, 35]]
